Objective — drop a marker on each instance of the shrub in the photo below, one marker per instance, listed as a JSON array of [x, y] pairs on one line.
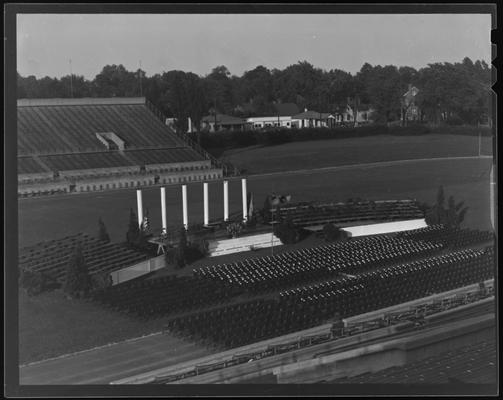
[[287, 232], [234, 229], [35, 283]]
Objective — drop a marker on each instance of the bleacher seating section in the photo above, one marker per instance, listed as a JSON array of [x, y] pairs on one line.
[[475, 363], [311, 214], [65, 162], [63, 134], [28, 165], [53, 129], [164, 156], [255, 299], [51, 257]]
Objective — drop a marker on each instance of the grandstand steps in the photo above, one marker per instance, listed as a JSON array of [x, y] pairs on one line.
[[41, 163], [241, 244]]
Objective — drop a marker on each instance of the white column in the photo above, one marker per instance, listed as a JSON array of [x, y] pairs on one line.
[[140, 207], [245, 208], [163, 209], [206, 205], [226, 200], [185, 212]]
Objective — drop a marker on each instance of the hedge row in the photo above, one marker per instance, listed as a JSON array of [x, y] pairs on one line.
[[234, 139]]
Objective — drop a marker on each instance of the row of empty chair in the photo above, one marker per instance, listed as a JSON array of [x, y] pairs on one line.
[[451, 237], [308, 214], [259, 319], [51, 258], [474, 363], [290, 268], [150, 298]]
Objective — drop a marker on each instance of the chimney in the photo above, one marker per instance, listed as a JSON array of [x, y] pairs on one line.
[[410, 86]]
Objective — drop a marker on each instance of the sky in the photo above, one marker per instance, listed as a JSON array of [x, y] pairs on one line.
[[199, 42]]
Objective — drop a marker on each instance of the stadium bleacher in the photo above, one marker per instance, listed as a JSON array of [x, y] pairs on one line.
[[475, 363], [101, 136], [311, 214], [28, 165], [164, 156], [68, 126], [51, 257], [108, 159]]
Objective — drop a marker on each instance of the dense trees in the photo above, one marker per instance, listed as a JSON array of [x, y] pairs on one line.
[[448, 92]]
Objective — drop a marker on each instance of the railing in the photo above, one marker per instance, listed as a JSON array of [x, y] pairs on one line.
[[228, 169], [413, 315]]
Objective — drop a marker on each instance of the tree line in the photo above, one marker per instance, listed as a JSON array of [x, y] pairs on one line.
[[459, 93]]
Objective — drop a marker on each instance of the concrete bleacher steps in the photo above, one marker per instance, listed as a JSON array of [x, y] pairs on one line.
[[101, 139], [245, 243]]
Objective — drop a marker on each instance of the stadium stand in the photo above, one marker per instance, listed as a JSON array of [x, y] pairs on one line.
[[82, 140], [62, 162], [51, 257], [475, 363], [311, 214], [163, 156], [69, 126], [28, 165]]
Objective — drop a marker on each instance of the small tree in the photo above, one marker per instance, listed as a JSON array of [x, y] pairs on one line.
[[78, 281], [287, 232], [453, 216], [180, 260], [102, 231], [133, 230]]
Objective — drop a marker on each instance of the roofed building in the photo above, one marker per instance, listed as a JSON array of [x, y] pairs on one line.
[[214, 123]]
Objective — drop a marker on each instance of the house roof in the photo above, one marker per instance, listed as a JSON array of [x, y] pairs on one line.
[[286, 109], [308, 115], [411, 92], [223, 119]]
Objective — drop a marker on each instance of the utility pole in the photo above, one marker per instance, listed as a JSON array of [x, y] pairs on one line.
[[71, 78], [480, 141], [215, 107]]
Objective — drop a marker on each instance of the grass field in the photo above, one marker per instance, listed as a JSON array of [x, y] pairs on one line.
[[51, 325], [468, 180], [325, 153]]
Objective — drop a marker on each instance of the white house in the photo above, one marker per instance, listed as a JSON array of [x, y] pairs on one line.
[[269, 122]]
